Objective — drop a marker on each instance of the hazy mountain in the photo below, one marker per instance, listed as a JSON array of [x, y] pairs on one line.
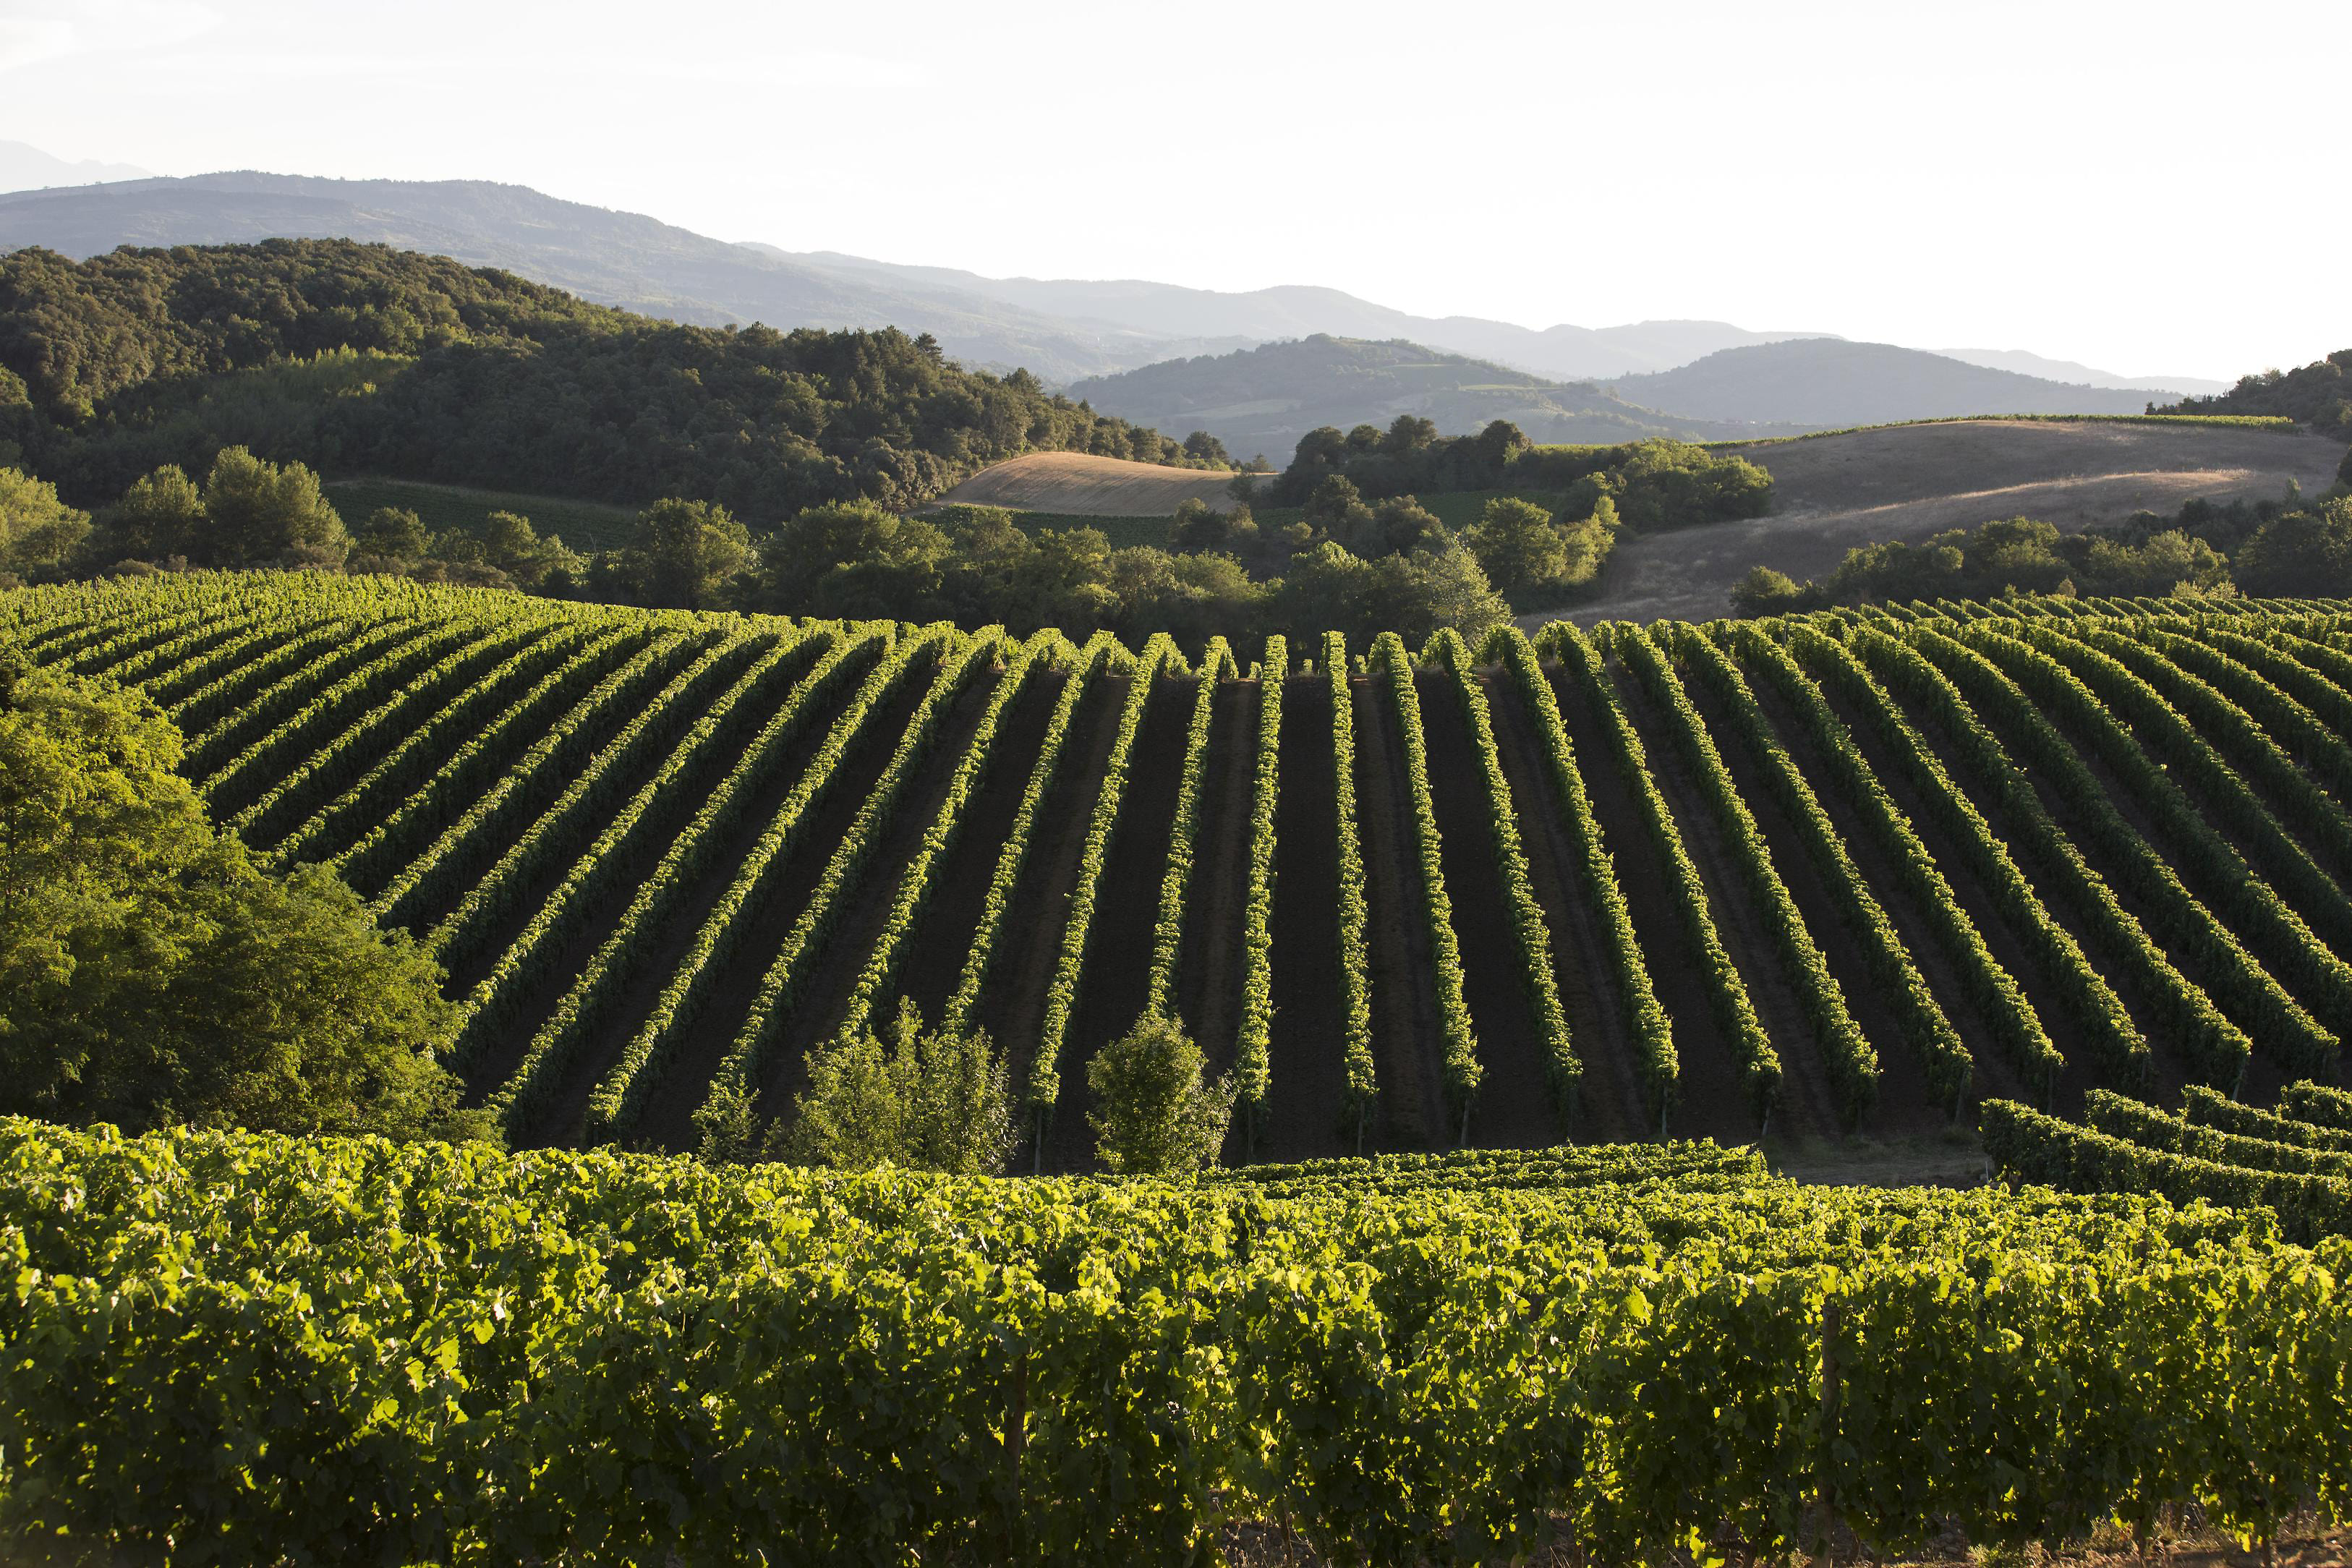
[[1264, 399], [1825, 381], [2067, 370], [612, 258], [27, 168], [1566, 353]]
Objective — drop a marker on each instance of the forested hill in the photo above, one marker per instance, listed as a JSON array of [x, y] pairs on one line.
[[1265, 399], [359, 358]]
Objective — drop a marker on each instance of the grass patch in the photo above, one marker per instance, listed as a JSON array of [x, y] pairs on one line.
[[582, 524]]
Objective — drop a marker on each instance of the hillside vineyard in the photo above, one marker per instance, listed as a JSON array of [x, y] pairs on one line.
[[1854, 870]]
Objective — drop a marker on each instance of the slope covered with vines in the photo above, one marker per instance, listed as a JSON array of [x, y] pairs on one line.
[[1867, 869]]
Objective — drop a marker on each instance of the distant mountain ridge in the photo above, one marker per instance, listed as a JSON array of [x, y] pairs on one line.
[[1063, 330], [1262, 400], [1060, 329], [1828, 382], [613, 258], [1565, 352], [23, 168], [2074, 373]]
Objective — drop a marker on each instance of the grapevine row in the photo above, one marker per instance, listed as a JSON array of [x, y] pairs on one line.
[[1458, 1045], [1751, 1049]]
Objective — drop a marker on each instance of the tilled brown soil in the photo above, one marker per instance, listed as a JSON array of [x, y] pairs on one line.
[[932, 957], [1306, 1056], [1012, 1001], [767, 917], [1115, 979], [1710, 1100], [1405, 1040], [830, 974], [1514, 1106], [1609, 1097], [1211, 961]]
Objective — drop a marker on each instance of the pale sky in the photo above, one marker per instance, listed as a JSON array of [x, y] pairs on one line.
[[2150, 188]]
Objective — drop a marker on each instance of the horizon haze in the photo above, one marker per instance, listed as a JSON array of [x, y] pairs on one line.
[[1882, 175]]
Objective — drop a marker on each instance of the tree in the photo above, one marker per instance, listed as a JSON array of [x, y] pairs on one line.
[[537, 563], [38, 532], [1519, 545], [1443, 586], [150, 971], [259, 514], [1409, 433], [1204, 448], [393, 532], [1765, 592], [2307, 555], [937, 1102], [1198, 526], [1153, 1116], [2344, 470], [1337, 505], [160, 515], [855, 559], [1397, 525], [684, 555]]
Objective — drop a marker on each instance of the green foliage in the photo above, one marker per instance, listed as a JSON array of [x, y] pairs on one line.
[[1253, 1066], [683, 553], [1354, 915], [1458, 1044], [1765, 592], [1395, 1361], [328, 351], [2318, 395], [258, 513], [39, 533], [931, 1101], [2303, 552], [1672, 484], [1153, 1114], [150, 972]]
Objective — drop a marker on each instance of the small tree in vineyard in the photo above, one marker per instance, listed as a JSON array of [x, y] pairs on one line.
[[1154, 1114], [930, 1102]]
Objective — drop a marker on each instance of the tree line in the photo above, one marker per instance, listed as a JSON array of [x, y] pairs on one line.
[[2318, 395], [2286, 548]]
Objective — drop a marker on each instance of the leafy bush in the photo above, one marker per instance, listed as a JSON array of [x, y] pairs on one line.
[[938, 1100], [1152, 1115]]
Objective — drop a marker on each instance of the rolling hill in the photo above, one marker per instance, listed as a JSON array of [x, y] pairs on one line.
[[1060, 330], [1262, 400], [1833, 492], [614, 258], [1292, 310], [2076, 374], [1830, 383], [661, 853]]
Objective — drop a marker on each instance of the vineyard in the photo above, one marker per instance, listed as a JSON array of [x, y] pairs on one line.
[[235, 1348], [1864, 870]]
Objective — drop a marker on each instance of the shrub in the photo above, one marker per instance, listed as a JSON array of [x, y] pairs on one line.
[[936, 1101], [1154, 1114]]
